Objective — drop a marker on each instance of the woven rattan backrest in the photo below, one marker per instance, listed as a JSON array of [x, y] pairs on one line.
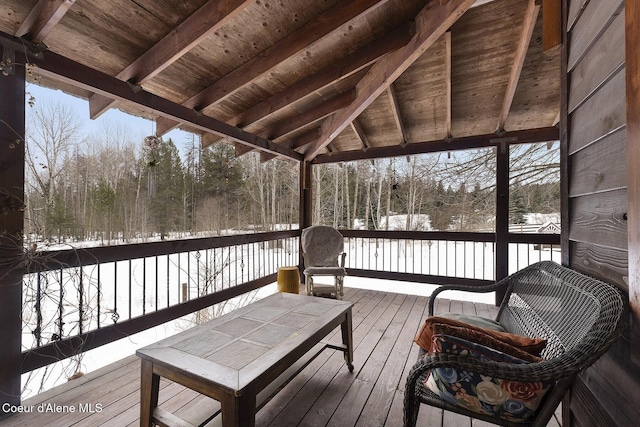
[[321, 246], [565, 307]]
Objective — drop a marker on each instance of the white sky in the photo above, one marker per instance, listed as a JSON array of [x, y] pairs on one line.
[[139, 126]]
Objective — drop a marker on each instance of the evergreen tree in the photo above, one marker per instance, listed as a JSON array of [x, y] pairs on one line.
[[517, 204], [441, 214], [165, 188]]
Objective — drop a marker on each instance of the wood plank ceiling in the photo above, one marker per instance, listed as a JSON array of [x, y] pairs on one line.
[[301, 78]]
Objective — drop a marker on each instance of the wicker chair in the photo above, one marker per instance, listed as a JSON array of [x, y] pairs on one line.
[[323, 252], [581, 318]]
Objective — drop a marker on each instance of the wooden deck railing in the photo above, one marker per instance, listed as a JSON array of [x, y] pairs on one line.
[[77, 300]]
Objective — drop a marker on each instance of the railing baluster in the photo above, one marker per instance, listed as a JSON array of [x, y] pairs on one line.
[[38, 307], [60, 307], [80, 302], [156, 280], [99, 294]]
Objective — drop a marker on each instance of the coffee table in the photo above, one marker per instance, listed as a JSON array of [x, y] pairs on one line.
[[234, 357]]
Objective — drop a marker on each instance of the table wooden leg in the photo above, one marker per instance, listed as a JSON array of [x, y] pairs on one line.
[[239, 411], [347, 339], [149, 387]]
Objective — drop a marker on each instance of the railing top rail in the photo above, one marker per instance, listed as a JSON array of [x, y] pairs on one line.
[[420, 235], [51, 260], [452, 236]]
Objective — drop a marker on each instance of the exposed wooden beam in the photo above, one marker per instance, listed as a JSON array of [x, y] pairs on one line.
[[305, 139], [293, 43], [57, 67], [447, 40], [431, 22], [42, 18], [551, 24], [362, 136], [350, 81], [439, 145], [395, 111], [328, 75], [291, 124], [201, 24], [528, 25], [285, 127]]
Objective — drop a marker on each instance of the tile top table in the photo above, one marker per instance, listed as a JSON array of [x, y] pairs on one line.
[[235, 356]]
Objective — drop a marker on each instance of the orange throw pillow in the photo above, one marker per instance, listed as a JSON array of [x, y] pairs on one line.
[[530, 345]]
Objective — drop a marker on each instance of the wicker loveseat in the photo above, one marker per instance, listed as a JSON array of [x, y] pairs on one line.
[[580, 317]]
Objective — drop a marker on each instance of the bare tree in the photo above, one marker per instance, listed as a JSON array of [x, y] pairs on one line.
[[52, 131]]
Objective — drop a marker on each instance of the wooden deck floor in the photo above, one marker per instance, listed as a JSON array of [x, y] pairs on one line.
[[323, 394]]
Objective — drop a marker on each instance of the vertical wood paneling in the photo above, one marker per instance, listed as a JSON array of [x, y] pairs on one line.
[[599, 64], [632, 29], [601, 262], [600, 167], [599, 194], [575, 9], [602, 114], [600, 219], [595, 18]]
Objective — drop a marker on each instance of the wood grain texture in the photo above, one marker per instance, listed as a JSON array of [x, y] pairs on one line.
[[290, 45], [632, 30], [600, 219], [601, 166], [201, 24], [603, 114], [42, 18], [551, 24], [593, 21], [431, 23], [604, 263], [529, 22], [599, 64], [575, 9]]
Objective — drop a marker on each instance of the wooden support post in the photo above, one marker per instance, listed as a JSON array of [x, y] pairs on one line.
[[565, 213], [12, 152], [502, 215], [306, 203], [632, 36]]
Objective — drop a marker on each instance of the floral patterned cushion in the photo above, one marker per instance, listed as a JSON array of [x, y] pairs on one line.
[[511, 400]]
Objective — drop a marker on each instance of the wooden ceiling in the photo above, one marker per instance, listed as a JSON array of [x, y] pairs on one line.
[[301, 78]]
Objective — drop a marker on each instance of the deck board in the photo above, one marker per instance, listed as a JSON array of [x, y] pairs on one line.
[[323, 394]]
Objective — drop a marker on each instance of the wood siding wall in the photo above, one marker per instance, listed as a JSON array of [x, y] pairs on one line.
[[607, 394]]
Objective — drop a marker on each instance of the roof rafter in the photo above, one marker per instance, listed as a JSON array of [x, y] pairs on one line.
[[300, 141], [42, 18], [431, 22], [293, 43], [395, 111], [328, 75], [57, 67], [362, 136], [528, 25], [349, 81], [204, 22], [291, 124]]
